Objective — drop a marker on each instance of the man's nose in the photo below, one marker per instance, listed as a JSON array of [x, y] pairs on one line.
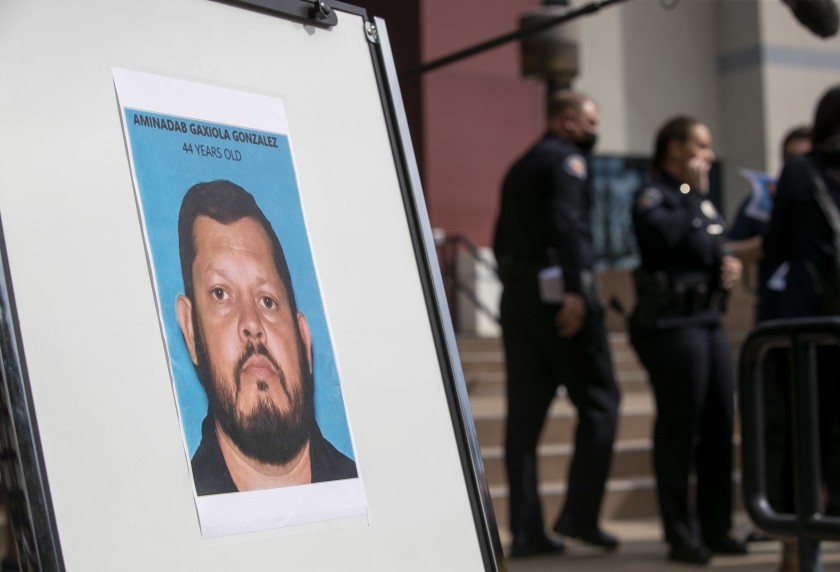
[[250, 324]]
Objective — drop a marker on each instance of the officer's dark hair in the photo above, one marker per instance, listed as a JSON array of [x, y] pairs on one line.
[[225, 203], [826, 134], [566, 99], [801, 132], [675, 129]]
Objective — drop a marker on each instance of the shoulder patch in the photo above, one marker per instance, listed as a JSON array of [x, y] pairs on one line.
[[575, 165], [649, 198]]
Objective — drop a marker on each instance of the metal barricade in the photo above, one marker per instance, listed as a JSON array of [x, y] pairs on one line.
[[809, 525]]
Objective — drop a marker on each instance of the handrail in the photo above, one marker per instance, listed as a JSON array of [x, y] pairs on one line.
[[448, 246], [809, 525], [464, 240]]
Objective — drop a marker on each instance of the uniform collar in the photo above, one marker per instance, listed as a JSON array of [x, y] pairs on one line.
[[669, 180], [557, 137]]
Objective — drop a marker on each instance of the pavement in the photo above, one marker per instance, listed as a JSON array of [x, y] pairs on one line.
[[642, 550]]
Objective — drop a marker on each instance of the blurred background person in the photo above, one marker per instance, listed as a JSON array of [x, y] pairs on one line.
[[804, 232], [799, 231], [746, 239], [681, 285], [748, 228]]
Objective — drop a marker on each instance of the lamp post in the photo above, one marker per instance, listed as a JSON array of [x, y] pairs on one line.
[[550, 55]]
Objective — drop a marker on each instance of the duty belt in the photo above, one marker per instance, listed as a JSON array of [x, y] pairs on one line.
[[659, 294]]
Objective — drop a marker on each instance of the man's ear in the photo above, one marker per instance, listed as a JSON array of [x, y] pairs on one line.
[[183, 310], [306, 337], [569, 121]]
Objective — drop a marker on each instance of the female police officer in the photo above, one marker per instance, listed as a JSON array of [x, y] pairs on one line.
[[675, 328]]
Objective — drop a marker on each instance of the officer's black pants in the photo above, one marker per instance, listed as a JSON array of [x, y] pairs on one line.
[[538, 362], [692, 375]]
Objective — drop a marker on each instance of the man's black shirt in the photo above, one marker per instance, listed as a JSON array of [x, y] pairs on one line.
[[212, 477]]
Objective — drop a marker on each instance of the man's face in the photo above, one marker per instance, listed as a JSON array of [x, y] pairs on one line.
[[251, 351], [581, 125], [588, 117]]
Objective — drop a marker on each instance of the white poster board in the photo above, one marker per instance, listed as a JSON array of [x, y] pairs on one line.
[[84, 318]]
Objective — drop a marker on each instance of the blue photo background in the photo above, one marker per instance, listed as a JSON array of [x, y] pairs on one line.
[[168, 160]]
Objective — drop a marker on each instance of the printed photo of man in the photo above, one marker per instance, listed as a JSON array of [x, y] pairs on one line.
[[251, 347]]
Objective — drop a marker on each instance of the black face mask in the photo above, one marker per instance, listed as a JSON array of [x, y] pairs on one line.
[[587, 142]]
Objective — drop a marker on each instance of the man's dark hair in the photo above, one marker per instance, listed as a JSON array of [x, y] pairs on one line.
[[565, 99], [225, 203], [675, 129]]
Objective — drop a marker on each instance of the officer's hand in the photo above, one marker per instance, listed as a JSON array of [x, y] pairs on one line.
[[730, 272], [698, 174], [570, 317]]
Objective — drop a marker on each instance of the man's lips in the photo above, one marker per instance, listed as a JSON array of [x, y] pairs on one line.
[[259, 367]]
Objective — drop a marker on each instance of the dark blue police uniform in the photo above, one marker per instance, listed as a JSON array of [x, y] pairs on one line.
[[676, 331], [544, 216]]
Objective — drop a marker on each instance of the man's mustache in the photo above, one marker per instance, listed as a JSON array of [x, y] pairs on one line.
[[250, 351]]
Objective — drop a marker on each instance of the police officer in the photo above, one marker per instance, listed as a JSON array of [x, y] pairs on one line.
[[555, 335], [675, 328]]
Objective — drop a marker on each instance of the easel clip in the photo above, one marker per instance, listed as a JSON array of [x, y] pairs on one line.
[[311, 12]]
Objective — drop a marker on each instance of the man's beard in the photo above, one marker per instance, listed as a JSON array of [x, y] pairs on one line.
[[264, 434]]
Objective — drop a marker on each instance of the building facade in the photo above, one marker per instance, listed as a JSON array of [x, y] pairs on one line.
[[746, 68]]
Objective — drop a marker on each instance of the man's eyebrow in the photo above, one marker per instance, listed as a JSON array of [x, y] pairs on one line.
[[274, 284], [212, 272], [210, 269]]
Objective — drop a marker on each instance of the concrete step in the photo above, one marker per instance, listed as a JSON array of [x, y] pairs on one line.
[[468, 344], [635, 423], [485, 378], [632, 460], [490, 349], [623, 499], [490, 383], [643, 549], [482, 360]]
